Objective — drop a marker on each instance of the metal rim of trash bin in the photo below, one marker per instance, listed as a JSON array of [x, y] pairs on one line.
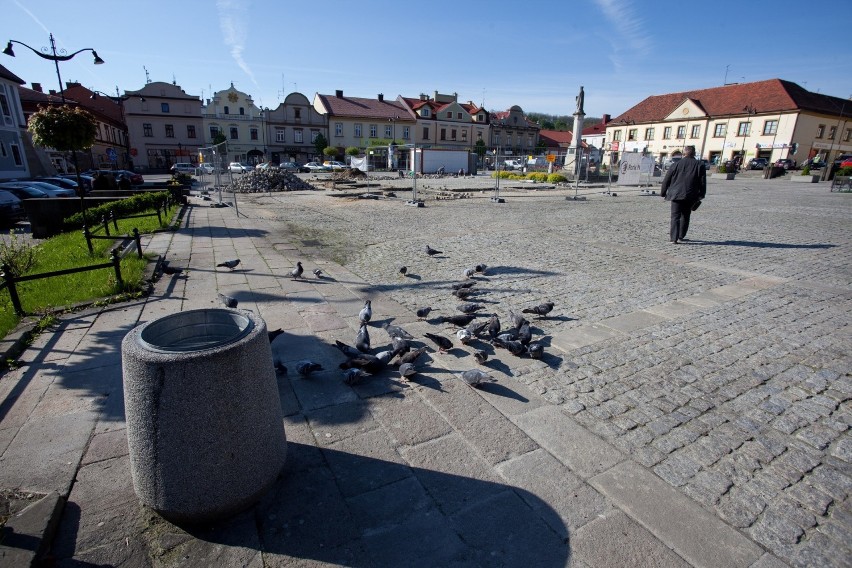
[[195, 330]]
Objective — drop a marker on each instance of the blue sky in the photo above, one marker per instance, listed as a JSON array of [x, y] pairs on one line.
[[535, 54]]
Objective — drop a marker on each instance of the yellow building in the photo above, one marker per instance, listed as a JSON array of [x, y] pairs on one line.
[[770, 119]]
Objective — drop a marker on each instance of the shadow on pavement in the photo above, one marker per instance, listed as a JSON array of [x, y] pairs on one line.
[[759, 244]]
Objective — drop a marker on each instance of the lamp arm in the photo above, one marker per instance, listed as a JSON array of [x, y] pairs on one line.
[[50, 57]]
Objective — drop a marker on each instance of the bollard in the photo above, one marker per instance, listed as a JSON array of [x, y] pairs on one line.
[[204, 424]]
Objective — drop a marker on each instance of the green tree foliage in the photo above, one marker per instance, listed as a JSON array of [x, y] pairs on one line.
[[479, 147], [320, 144], [219, 138], [63, 128], [353, 151], [329, 151]]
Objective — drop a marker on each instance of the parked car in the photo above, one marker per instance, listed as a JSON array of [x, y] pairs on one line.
[[757, 163], [813, 164], [843, 158], [23, 191], [87, 180], [205, 168], [335, 166], [293, 167], [60, 181], [183, 168], [135, 179], [670, 161], [11, 209], [786, 163], [266, 166], [52, 190], [316, 168], [238, 168]]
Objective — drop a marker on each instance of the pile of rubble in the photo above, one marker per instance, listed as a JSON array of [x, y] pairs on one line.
[[351, 173], [262, 181]]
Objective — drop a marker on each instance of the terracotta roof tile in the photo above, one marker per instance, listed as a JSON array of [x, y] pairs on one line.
[[9, 76], [356, 107]]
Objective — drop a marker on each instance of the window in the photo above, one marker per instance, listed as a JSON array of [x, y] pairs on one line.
[[388, 131], [696, 131], [235, 133], [770, 127], [616, 135], [227, 111], [16, 154], [253, 133], [242, 111], [164, 107], [443, 134], [314, 135], [338, 129], [667, 133], [820, 131], [720, 130], [425, 133], [649, 134], [832, 132], [464, 135], [449, 114], [406, 132], [480, 118], [744, 129], [425, 112], [357, 131], [297, 136], [681, 131], [190, 131], [631, 134], [847, 135], [3, 150], [453, 134], [170, 131], [459, 115], [4, 106], [280, 135], [374, 131], [214, 132], [147, 130], [297, 113]]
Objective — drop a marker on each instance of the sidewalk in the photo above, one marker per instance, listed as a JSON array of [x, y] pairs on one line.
[[622, 447]]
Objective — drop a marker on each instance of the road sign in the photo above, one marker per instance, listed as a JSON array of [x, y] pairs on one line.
[[113, 157], [550, 158]]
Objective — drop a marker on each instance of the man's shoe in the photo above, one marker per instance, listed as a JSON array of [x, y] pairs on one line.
[[673, 242], [684, 240]]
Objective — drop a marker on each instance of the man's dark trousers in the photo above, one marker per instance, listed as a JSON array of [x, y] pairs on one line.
[[681, 210]]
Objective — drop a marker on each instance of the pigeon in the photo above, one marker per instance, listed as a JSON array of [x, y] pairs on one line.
[[400, 345], [280, 368], [510, 334], [517, 320], [366, 312], [411, 356], [514, 347], [493, 326], [469, 272], [354, 376], [480, 356], [432, 252], [442, 342], [402, 270], [459, 320], [368, 362], [407, 370], [297, 272], [469, 307], [169, 269], [231, 264], [274, 333], [476, 327], [468, 284], [347, 350], [475, 377], [464, 336], [306, 367], [396, 331], [540, 310], [228, 301], [317, 272], [524, 334], [423, 313], [535, 350], [480, 268], [463, 293], [362, 339]]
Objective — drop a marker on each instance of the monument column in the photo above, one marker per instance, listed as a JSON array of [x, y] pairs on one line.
[[577, 141]]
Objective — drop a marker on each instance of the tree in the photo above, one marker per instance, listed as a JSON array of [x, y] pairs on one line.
[[479, 148], [219, 138], [329, 152], [63, 128], [320, 144], [353, 151]]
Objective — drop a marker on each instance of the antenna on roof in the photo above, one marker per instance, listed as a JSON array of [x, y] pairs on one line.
[[147, 76]]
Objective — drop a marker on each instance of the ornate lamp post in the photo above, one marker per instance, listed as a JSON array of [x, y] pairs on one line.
[[751, 111], [52, 54]]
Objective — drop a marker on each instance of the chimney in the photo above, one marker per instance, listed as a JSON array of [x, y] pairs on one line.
[[423, 97], [338, 94], [436, 96], [69, 84], [37, 87], [606, 118], [381, 97], [51, 92]]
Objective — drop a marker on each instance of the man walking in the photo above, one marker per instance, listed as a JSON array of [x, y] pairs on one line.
[[685, 185]]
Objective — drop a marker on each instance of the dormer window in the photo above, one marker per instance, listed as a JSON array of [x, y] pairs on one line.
[[424, 112], [227, 111], [459, 115], [449, 114], [242, 111]]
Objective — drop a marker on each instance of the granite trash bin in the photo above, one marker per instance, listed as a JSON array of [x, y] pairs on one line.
[[204, 423]]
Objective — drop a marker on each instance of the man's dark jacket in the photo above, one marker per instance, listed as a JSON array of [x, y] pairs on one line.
[[685, 181]]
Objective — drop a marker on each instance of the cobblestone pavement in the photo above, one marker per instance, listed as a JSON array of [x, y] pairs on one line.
[[721, 364]]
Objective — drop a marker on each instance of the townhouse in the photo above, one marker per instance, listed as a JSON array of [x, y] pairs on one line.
[[12, 124], [292, 129], [112, 144], [771, 119]]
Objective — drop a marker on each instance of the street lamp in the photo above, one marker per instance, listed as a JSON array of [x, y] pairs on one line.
[[52, 54], [750, 111], [391, 146]]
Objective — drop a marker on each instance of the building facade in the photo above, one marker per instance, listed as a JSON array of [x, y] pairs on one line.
[[291, 130], [111, 149], [13, 162], [443, 122], [771, 119], [233, 114], [164, 126], [512, 134]]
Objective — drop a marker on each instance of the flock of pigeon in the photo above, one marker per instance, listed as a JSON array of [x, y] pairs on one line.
[[362, 362]]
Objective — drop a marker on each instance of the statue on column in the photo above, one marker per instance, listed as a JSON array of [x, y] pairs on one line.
[[579, 99]]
